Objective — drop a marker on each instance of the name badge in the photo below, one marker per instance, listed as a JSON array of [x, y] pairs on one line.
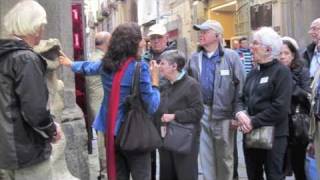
[[264, 80], [225, 72]]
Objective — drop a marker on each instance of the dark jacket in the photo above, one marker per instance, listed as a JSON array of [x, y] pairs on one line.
[[308, 53], [26, 127], [182, 98], [267, 95], [300, 92], [300, 89]]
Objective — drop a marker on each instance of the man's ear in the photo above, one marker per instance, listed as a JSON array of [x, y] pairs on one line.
[[175, 66]]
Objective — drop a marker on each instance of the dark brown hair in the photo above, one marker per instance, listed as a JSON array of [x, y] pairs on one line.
[[124, 43], [296, 62]]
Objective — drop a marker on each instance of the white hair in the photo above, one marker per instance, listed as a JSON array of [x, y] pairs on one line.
[[25, 18], [270, 38], [316, 21]]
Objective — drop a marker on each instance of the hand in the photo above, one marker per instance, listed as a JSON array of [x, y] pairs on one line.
[[154, 70], [168, 117], [64, 60], [59, 134], [310, 149], [234, 124], [242, 117], [246, 127], [245, 121]]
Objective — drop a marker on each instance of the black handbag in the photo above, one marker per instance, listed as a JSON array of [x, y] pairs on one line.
[[179, 137], [301, 124], [137, 132]]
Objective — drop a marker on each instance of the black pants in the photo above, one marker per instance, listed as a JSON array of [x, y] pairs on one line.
[[153, 165], [174, 166], [270, 160], [138, 164], [297, 160]]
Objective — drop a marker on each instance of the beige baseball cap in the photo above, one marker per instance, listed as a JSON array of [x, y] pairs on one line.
[[209, 24]]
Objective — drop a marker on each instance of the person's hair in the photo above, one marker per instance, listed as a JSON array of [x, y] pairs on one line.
[[101, 38], [316, 21], [25, 18], [174, 57], [296, 62], [242, 39], [270, 38], [124, 43], [99, 42]]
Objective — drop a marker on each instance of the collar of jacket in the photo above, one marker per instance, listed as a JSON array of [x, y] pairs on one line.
[[181, 77], [310, 50], [268, 64]]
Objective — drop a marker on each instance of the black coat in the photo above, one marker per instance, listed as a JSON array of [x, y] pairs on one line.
[[26, 127], [267, 96], [182, 98], [300, 89]]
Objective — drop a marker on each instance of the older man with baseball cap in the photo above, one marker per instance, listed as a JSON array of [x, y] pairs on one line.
[[221, 78], [158, 42]]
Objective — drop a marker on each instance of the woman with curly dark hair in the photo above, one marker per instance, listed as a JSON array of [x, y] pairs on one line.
[[297, 145], [116, 69]]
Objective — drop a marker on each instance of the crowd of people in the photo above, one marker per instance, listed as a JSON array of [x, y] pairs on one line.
[[214, 93]]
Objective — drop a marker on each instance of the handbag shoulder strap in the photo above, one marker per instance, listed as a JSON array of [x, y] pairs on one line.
[[136, 87], [136, 80]]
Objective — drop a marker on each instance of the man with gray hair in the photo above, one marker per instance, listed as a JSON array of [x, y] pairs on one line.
[[312, 52], [26, 127], [221, 77], [94, 94], [312, 56]]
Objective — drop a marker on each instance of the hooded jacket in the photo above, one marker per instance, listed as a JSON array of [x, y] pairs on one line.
[[26, 126]]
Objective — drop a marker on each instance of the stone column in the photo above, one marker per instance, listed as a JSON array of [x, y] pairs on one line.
[[60, 26]]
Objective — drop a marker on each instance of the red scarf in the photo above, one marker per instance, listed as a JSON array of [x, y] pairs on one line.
[[111, 118]]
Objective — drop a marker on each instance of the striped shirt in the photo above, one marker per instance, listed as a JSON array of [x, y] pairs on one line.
[[246, 59]]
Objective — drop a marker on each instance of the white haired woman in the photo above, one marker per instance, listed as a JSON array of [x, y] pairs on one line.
[[266, 98], [26, 126]]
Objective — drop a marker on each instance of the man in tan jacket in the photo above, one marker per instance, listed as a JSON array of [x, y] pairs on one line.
[[94, 94]]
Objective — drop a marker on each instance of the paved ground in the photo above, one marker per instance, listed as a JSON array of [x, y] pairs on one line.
[[93, 159]]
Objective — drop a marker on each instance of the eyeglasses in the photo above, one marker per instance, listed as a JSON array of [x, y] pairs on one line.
[[315, 28]]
